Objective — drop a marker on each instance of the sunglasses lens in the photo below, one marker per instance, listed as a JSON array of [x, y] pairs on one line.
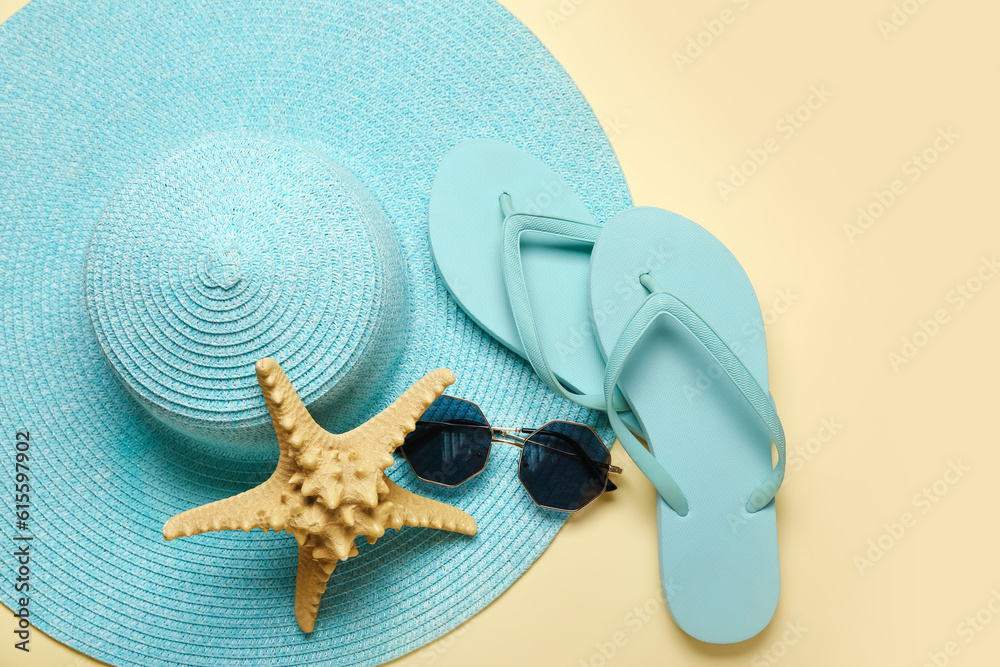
[[450, 444], [564, 466]]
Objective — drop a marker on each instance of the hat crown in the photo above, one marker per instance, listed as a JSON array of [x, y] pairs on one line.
[[236, 247]]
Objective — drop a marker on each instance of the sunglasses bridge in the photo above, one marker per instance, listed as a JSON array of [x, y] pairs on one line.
[[512, 433], [518, 441]]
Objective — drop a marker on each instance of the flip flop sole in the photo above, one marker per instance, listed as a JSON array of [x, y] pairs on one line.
[[719, 563], [465, 235]]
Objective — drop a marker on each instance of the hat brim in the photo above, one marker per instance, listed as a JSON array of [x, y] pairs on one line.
[[90, 92]]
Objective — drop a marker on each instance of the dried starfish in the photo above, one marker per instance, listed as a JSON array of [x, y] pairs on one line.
[[329, 488]]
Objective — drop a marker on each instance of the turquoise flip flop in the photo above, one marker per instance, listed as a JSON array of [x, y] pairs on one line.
[[671, 305], [512, 242]]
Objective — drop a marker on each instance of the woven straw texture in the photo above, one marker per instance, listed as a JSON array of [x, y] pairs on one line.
[[188, 186]]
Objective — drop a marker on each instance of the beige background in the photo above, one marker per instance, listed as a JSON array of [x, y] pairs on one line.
[[836, 310]]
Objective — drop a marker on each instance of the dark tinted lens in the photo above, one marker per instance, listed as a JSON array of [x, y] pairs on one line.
[[450, 444], [564, 466]]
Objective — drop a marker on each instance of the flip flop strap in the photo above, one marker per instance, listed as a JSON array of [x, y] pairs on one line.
[[514, 225], [660, 303]]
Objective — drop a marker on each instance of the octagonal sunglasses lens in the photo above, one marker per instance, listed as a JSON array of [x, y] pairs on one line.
[[450, 444], [564, 466]]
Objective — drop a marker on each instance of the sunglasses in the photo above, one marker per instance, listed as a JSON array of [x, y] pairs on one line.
[[564, 466]]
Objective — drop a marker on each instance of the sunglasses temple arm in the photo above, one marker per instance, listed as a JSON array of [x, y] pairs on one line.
[[454, 422]]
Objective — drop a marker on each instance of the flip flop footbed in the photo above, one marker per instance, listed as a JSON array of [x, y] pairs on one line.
[[719, 563], [466, 241]]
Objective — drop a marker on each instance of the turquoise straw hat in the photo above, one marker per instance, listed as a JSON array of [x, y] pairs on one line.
[[187, 186]]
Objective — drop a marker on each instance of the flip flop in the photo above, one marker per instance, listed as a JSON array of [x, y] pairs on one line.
[[512, 242], [671, 306]]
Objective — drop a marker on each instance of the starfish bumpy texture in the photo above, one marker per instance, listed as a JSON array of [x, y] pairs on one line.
[[329, 488]]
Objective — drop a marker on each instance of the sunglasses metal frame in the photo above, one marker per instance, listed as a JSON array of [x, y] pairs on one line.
[[498, 434]]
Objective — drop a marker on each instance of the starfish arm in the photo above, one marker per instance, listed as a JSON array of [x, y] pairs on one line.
[[390, 427], [310, 584], [420, 511], [260, 507], [292, 422]]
